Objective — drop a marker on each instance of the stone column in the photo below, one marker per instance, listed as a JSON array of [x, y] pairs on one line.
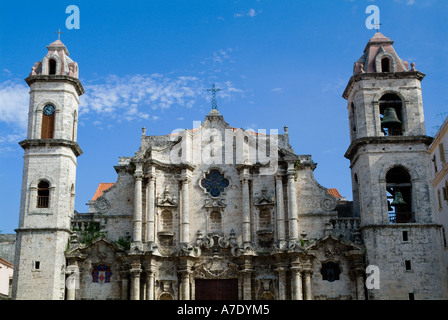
[[72, 281], [280, 211], [296, 281], [292, 205], [135, 281], [307, 292], [281, 282], [124, 285], [360, 293], [138, 176], [247, 280], [247, 293], [150, 284], [185, 284], [185, 223], [150, 205], [192, 287], [240, 285], [246, 208]]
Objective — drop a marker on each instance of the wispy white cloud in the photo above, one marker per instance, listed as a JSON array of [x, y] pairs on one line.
[[407, 2], [14, 101], [133, 96], [250, 13], [335, 85], [11, 138], [144, 96]]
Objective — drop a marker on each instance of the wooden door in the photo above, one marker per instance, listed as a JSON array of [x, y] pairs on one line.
[[216, 289]]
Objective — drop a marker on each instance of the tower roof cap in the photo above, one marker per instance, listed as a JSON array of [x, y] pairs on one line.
[[65, 66], [58, 45], [379, 47]]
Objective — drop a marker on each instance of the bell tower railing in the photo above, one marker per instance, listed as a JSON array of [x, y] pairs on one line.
[[401, 217]]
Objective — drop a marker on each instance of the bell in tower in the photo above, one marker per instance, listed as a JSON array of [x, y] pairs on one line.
[[390, 121], [398, 200]]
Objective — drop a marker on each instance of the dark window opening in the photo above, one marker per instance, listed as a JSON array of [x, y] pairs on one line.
[[36, 265], [435, 163], [330, 271], [411, 296], [353, 117], [385, 65], [43, 195], [405, 236], [52, 66], [399, 196], [407, 264], [391, 115]]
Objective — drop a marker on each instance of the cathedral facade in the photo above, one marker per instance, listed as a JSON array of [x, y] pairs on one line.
[[217, 212]]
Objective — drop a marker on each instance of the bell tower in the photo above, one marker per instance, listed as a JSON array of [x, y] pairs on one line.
[[391, 177], [49, 176]]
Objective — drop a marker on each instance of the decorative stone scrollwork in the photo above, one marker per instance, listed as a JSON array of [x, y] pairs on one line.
[[244, 250], [212, 240], [216, 267], [186, 250], [265, 199], [166, 200], [102, 205], [328, 204]]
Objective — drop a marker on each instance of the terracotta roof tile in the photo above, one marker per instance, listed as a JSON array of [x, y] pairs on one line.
[[101, 188], [334, 192]]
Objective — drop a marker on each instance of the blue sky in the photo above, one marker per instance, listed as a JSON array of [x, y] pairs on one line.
[[149, 64]]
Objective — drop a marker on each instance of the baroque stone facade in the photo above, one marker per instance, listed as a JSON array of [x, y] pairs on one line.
[[218, 212]]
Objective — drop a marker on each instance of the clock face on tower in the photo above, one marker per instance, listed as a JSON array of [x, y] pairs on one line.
[[48, 110]]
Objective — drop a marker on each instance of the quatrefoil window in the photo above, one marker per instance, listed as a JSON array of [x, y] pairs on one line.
[[214, 183]]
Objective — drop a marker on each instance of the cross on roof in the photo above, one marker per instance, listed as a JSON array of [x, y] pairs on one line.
[[213, 91], [377, 26], [59, 34]]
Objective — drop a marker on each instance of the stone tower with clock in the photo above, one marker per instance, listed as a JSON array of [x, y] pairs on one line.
[[391, 175], [49, 176]]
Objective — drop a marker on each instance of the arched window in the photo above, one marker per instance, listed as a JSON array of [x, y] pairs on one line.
[[51, 66], [399, 195], [215, 221], [43, 194], [391, 114], [47, 131], [166, 221], [385, 65]]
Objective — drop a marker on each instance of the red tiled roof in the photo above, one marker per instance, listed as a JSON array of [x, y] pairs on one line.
[[101, 188], [334, 192], [6, 263]]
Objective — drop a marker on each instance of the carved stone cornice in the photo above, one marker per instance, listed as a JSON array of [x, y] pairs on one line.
[[26, 144], [56, 78]]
